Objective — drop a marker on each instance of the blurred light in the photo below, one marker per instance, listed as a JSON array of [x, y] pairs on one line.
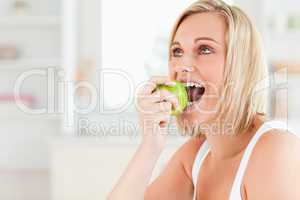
[[230, 2]]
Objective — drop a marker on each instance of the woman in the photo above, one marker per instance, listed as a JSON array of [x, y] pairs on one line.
[[234, 152]]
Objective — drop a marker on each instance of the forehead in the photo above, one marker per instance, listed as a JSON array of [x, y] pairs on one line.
[[202, 25]]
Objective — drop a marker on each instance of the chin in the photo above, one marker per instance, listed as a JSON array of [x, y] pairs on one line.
[[190, 119]]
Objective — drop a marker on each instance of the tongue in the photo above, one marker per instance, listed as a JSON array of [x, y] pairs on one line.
[[195, 93]]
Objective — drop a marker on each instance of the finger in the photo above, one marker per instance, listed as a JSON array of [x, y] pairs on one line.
[[152, 122], [169, 97], [163, 96], [146, 103], [163, 119], [165, 107], [154, 101], [151, 85], [151, 108], [155, 97], [157, 117]]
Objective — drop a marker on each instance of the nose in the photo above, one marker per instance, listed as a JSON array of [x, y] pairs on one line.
[[183, 67], [185, 64], [182, 72]]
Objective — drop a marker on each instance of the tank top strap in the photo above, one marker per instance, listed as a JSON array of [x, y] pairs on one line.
[[267, 126], [202, 152]]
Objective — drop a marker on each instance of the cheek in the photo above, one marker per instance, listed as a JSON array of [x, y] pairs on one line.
[[172, 72], [212, 68]]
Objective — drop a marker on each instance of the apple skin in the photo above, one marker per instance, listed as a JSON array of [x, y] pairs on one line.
[[180, 92]]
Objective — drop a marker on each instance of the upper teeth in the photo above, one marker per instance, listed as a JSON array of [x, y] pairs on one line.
[[191, 84], [189, 103]]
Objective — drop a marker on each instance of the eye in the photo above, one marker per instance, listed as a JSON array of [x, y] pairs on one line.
[[205, 50], [176, 52]]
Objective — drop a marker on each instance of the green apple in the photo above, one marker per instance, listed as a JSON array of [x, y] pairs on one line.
[[180, 92]]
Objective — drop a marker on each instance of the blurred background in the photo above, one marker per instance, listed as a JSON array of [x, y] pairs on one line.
[[53, 148]]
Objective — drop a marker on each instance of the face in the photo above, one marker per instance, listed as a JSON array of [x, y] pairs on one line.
[[198, 56]]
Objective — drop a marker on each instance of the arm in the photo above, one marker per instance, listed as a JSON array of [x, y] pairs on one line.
[[176, 176], [274, 170], [175, 181], [154, 110]]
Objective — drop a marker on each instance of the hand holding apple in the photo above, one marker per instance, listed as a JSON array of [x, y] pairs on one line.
[[180, 92]]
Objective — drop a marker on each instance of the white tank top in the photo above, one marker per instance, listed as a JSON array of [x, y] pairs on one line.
[[236, 187]]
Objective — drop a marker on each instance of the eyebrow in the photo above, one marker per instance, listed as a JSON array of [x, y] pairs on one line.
[[197, 39]]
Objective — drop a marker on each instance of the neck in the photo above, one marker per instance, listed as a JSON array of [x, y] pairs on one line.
[[225, 145]]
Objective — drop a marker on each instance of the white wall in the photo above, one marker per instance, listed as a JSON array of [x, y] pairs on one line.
[[129, 32]]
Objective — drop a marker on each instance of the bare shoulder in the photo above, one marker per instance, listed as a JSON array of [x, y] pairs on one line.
[[273, 169], [274, 147]]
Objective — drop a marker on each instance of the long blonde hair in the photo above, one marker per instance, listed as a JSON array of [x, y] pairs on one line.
[[245, 66]]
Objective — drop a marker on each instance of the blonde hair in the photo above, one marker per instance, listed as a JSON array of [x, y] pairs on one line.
[[245, 65]]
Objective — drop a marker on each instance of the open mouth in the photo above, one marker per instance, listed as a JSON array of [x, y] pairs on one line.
[[195, 91]]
